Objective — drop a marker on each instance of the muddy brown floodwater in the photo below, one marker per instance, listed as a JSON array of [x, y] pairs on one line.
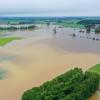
[[39, 57]]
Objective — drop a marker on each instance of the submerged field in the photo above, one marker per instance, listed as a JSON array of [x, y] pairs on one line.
[[70, 23], [39, 57]]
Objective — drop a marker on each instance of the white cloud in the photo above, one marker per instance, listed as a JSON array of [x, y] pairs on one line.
[[50, 7]]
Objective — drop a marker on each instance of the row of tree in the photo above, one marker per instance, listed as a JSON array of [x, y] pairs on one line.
[[89, 21], [73, 85], [89, 24], [16, 28]]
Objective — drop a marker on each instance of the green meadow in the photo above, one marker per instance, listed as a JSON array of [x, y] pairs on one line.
[[95, 69], [4, 41]]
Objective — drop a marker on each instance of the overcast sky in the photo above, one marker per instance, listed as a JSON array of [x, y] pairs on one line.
[[50, 7]]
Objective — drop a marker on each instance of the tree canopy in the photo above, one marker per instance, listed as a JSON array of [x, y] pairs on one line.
[[72, 85]]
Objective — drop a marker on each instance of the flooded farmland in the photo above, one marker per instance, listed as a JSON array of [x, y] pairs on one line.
[[42, 55]]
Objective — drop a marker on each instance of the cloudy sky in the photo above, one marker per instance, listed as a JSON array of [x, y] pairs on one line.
[[50, 7]]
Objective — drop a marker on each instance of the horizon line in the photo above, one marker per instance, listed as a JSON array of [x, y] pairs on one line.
[[47, 16]]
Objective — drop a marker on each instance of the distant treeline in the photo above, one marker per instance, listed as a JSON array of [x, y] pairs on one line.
[[16, 28], [19, 23], [89, 22], [73, 85], [33, 20]]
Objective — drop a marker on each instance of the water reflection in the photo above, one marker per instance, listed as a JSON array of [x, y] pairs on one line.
[[71, 39], [28, 70], [6, 57], [3, 73]]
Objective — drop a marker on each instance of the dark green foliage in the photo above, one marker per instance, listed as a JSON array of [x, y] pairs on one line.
[[23, 28], [97, 30], [8, 28], [11, 28], [1, 28], [17, 28], [89, 24], [87, 21], [88, 27], [31, 27], [73, 85], [28, 27]]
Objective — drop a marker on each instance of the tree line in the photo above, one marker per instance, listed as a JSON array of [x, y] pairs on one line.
[[17, 28], [72, 85], [89, 24]]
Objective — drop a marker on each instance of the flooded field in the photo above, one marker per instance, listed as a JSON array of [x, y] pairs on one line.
[[42, 55]]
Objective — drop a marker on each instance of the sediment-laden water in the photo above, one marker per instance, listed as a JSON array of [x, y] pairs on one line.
[[42, 55]]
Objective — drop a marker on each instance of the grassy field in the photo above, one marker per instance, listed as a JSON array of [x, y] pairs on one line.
[[4, 41], [95, 69]]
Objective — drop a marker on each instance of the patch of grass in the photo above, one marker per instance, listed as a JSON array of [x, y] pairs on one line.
[[95, 69], [4, 41]]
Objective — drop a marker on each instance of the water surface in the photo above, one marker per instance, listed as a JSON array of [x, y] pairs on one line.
[[41, 56]]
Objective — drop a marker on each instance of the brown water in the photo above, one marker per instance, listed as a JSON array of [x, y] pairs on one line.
[[41, 56]]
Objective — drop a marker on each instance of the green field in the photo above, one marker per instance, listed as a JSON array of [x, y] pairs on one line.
[[95, 69], [4, 41]]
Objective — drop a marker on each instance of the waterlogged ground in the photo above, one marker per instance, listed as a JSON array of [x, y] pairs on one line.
[[40, 56]]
